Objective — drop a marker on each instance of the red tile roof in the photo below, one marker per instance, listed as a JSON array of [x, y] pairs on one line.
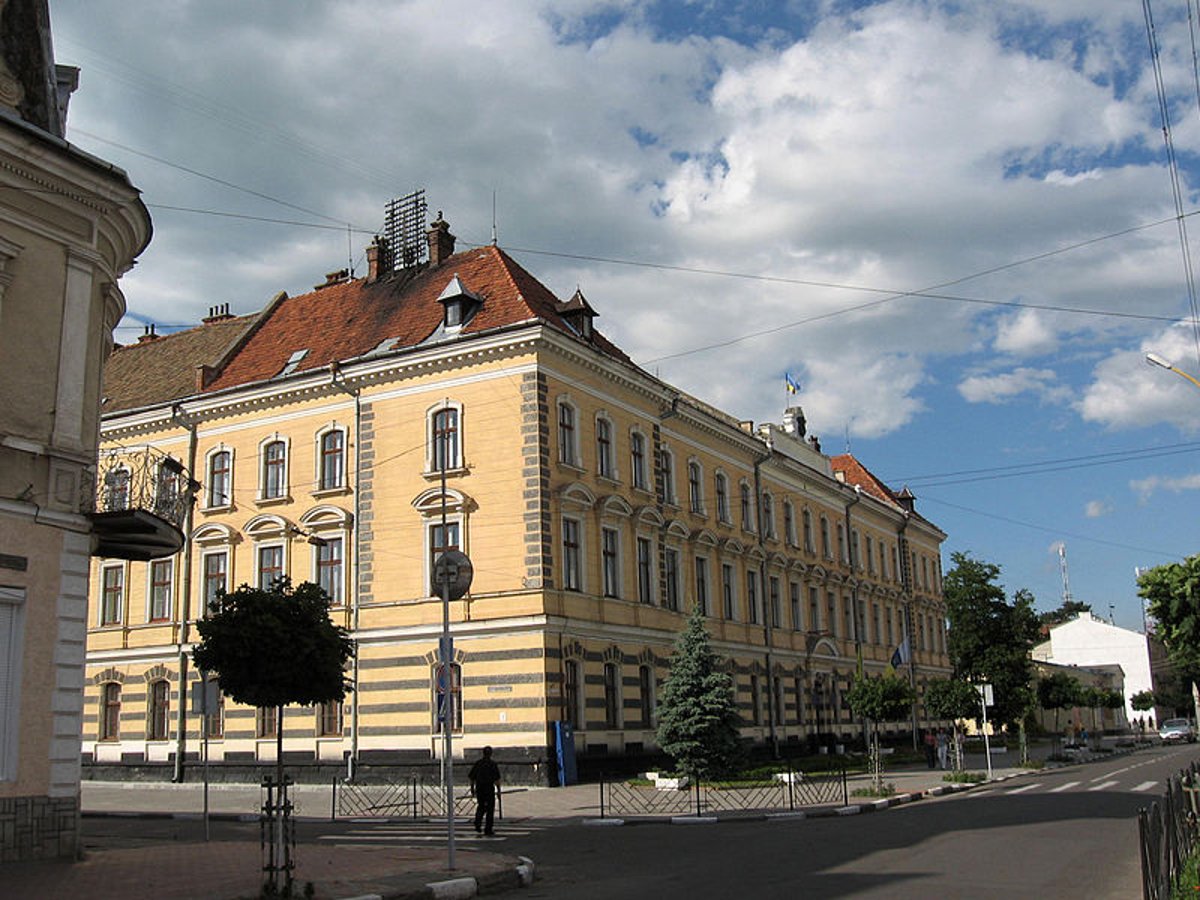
[[855, 473], [349, 319]]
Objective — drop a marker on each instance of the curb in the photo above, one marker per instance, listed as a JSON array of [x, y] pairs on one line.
[[521, 875]]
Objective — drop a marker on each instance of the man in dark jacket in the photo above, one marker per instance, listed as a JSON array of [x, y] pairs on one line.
[[485, 779]]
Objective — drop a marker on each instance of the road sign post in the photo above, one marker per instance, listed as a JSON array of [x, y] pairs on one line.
[[986, 699]]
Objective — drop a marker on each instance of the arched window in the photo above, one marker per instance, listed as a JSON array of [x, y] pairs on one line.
[[110, 712], [447, 697], [445, 453], [158, 711], [637, 460], [273, 477], [612, 696], [605, 465], [220, 479], [331, 459]]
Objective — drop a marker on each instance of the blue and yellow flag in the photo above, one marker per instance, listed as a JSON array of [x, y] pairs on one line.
[[793, 386]]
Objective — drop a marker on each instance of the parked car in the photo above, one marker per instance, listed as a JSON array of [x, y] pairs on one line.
[[1173, 730]]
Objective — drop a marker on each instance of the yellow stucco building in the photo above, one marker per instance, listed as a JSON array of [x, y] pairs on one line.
[[596, 502]]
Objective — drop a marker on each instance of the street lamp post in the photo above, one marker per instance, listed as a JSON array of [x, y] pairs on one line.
[[1155, 360]]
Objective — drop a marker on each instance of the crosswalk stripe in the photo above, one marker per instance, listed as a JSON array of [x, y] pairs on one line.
[[1022, 789], [1101, 787], [981, 793], [1064, 787], [1145, 785]]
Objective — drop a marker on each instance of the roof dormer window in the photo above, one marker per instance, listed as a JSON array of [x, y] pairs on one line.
[[460, 304], [293, 362], [577, 313]]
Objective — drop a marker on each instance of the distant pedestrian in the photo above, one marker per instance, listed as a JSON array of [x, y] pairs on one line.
[[485, 779], [943, 748], [930, 748]]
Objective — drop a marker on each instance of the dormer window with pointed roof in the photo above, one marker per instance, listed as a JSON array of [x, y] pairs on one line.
[[460, 304], [578, 315]]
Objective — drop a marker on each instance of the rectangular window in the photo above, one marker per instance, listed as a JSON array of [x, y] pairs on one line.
[[110, 712], [745, 495], [12, 614], [637, 459], [270, 566], [162, 572], [645, 569], [329, 719], [775, 601], [220, 475], [667, 464], [870, 555], [702, 584], [789, 524], [875, 630], [333, 459], [646, 695], [329, 570], [440, 540], [158, 714], [814, 609], [611, 563], [752, 596], [808, 531], [755, 701], [695, 491], [825, 551], [112, 598], [891, 637], [215, 578], [850, 631], [728, 592], [572, 561], [794, 602], [831, 619], [266, 721], [671, 577], [445, 440], [722, 498]]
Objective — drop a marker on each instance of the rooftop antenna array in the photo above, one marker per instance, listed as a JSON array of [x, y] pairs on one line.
[[404, 232], [1062, 565]]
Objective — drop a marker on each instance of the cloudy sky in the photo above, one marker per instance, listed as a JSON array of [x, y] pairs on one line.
[[954, 223]]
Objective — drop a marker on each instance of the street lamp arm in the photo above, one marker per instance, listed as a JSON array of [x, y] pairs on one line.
[[1155, 360]]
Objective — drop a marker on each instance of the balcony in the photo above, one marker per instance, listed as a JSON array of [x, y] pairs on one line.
[[139, 504]]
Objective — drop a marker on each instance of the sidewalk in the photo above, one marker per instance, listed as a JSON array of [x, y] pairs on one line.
[[225, 870]]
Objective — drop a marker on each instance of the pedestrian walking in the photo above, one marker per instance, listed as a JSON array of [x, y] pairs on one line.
[[943, 748], [930, 748], [485, 780]]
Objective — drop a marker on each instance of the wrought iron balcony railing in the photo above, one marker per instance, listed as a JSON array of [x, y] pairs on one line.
[[139, 504]]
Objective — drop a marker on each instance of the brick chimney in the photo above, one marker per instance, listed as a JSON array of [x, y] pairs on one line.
[[218, 313], [377, 259], [149, 334], [441, 241], [332, 278]]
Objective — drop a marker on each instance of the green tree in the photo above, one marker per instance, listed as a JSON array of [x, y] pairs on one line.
[[989, 637], [1068, 610], [1173, 595], [950, 698], [1143, 701], [1058, 691], [698, 725], [880, 698]]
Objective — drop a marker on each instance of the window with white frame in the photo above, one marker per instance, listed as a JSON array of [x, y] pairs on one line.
[[215, 573], [775, 601], [162, 583], [671, 577], [876, 631], [331, 459], [826, 550], [330, 570], [329, 718], [441, 538], [110, 711], [695, 487], [610, 563], [841, 542], [568, 446], [768, 513], [269, 563], [747, 509], [273, 474], [728, 592], [870, 555], [444, 439], [637, 460], [806, 520], [667, 467], [645, 569], [831, 616], [794, 604], [605, 463], [572, 553], [814, 609], [702, 585], [112, 594], [12, 618], [721, 485], [266, 721], [220, 479], [855, 557]]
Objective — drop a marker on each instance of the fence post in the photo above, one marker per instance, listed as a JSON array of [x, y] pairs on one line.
[[845, 791], [416, 803], [698, 802], [791, 787], [333, 801], [602, 795]]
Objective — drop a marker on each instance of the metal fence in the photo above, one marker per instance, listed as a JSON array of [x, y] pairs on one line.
[[789, 791], [1168, 834], [371, 798]]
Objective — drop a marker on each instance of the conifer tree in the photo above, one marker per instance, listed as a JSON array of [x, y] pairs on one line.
[[698, 723]]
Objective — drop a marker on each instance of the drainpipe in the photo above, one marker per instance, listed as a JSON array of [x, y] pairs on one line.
[[852, 556], [768, 612], [906, 587], [185, 603], [338, 381]]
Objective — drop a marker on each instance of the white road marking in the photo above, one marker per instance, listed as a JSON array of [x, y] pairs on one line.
[[1104, 786], [1145, 785], [1064, 787], [1023, 789]]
